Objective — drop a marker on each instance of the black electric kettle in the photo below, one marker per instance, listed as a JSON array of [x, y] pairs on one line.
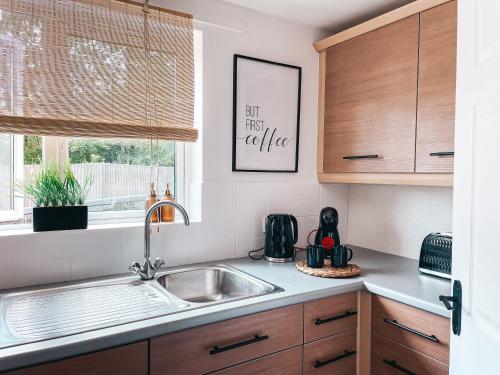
[[280, 238]]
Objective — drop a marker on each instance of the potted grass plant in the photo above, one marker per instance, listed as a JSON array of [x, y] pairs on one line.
[[58, 199]]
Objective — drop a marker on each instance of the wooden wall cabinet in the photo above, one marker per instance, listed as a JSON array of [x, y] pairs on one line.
[[436, 89], [370, 101], [387, 98]]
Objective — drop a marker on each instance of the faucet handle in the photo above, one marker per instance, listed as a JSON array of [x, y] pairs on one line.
[[159, 263], [134, 267]]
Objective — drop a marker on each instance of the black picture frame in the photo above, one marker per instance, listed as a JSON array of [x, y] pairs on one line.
[[236, 57]]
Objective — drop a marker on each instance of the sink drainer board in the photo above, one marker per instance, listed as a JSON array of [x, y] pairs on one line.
[[59, 312]]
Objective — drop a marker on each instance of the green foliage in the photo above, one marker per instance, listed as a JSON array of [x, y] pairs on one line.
[[53, 186], [133, 152], [32, 149]]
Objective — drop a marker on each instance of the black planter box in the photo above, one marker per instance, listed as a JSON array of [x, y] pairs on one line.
[[59, 218]]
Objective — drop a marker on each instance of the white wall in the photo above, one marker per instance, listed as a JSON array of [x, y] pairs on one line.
[[395, 219], [233, 204]]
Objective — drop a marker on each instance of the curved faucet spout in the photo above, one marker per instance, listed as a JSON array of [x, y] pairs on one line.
[[148, 270]]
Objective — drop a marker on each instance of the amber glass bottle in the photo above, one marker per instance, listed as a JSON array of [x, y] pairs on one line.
[[167, 212], [151, 199]]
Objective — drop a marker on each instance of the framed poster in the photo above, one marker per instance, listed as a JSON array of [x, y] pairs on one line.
[[266, 115]]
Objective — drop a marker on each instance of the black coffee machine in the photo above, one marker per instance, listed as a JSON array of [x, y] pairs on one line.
[[328, 230], [281, 236]]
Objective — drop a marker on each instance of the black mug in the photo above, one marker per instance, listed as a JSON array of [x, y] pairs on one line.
[[340, 256], [315, 256]]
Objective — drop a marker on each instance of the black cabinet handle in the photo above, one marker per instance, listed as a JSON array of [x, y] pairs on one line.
[[398, 367], [333, 318], [408, 329], [445, 153], [352, 157], [347, 353], [218, 349]]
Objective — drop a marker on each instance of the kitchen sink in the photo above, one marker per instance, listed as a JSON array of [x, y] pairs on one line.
[[214, 284], [77, 307]]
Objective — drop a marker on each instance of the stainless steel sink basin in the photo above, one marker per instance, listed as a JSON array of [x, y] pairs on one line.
[[214, 284]]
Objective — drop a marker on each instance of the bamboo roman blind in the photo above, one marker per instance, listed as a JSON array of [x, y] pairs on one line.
[[101, 68]]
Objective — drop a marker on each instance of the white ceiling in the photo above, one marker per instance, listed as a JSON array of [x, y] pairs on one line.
[[332, 15]]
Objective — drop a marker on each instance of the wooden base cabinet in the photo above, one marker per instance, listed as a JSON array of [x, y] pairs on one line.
[[389, 357], [317, 337], [332, 355], [224, 344], [406, 340], [425, 332], [330, 316], [288, 362], [125, 360]]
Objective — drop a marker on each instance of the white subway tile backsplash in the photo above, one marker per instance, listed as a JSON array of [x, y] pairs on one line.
[[396, 219], [173, 244], [258, 224], [306, 191], [387, 218], [251, 198], [244, 226], [227, 225], [307, 223], [83, 262], [243, 246], [225, 250], [280, 206], [306, 207], [280, 192], [302, 240]]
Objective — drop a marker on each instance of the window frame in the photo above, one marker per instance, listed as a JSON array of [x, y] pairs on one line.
[[17, 172]]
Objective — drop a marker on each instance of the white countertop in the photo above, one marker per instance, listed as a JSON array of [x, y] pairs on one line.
[[387, 275]]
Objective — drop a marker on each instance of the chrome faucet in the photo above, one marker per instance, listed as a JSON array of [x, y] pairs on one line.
[[148, 270]]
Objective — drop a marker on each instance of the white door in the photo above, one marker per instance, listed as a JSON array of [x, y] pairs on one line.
[[476, 211]]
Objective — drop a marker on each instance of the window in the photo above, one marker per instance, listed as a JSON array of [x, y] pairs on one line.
[[65, 77], [121, 170]]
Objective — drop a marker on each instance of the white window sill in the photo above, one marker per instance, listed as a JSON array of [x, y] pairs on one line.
[[10, 216], [27, 230]]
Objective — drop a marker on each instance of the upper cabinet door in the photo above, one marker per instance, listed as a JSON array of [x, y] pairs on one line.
[[436, 89], [371, 101]]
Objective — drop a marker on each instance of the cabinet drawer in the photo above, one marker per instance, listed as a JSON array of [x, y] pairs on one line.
[[329, 316], [389, 357], [333, 355], [126, 360], [425, 332], [215, 346], [288, 362]]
